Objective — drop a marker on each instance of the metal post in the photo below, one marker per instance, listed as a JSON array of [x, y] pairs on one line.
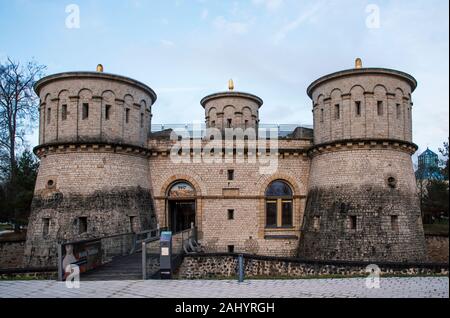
[[241, 268], [144, 260], [60, 269]]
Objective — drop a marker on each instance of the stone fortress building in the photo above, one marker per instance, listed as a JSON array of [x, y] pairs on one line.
[[344, 191]]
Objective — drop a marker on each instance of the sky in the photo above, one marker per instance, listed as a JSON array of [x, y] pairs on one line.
[[187, 49]]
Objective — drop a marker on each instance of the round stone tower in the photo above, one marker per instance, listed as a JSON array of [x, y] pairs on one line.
[[362, 200], [232, 109], [94, 175]]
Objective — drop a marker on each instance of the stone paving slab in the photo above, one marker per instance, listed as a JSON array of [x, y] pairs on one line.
[[412, 287]]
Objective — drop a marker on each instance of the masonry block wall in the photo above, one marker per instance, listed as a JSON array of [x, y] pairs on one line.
[[351, 191], [93, 178], [362, 199]]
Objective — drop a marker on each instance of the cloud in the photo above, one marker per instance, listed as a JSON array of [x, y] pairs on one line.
[[223, 24], [270, 5]]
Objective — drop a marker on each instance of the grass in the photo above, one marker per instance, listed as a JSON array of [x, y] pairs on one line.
[[21, 236], [6, 227], [436, 229]]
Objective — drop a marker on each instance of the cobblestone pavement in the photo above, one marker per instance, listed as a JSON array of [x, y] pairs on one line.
[[414, 287]]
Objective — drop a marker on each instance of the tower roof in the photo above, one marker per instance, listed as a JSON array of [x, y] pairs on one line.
[[367, 71]]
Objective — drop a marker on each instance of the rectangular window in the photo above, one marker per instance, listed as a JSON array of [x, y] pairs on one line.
[[337, 111], [82, 225], [142, 120], [399, 111], [213, 123], [230, 175], [230, 248], [85, 113], [64, 112], [229, 122], [246, 124], [394, 223], [230, 214], [358, 108], [286, 213], [107, 112], [353, 222], [271, 214], [127, 115], [380, 108], [132, 224], [49, 115], [321, 115], [46, 227], [316, 223]]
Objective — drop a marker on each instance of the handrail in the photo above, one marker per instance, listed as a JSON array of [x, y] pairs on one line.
[[125, 247]]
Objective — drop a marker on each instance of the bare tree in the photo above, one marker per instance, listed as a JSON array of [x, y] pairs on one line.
[[18, 108]]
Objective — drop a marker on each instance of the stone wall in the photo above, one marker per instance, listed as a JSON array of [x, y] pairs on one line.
[[332, 122], [353, 213], [437, 247], [11, 254], [215, 195], [215, 266], [107, 189], [122, 97]]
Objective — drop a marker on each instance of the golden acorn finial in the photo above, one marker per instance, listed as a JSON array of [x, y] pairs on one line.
[[100, 68], [230, 85], [358, 63]]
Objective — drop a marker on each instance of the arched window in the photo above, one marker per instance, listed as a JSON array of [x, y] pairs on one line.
[[279, 205], [181, 189]]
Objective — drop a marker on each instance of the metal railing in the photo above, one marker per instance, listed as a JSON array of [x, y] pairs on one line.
[[199, 130], [93, 253]]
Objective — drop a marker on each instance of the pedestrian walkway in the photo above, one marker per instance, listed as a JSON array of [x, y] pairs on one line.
[[412, 287]]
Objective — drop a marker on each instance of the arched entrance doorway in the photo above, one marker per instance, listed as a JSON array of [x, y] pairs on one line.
[[181, 203]]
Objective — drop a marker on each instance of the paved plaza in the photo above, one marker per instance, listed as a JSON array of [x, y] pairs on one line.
[[414, 287]]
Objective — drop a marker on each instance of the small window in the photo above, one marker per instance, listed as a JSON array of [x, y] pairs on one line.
[[337, 111], [246, 124], [46, 226], [64, 112], [213, 123], [230, 248], [229, 123], [127, 115], [230, 175], [353, 222], [399, 111], [50, 184], [49, 115], [358, 108], [316, 223], [82, 225], [392, 182], [230, 214], [380, 108], [142, 120], [107, 112], [132, 224], [321, 115], [394, 223], [85, 114]]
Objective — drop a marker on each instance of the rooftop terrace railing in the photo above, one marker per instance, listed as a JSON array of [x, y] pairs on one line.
[[199, 130]]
